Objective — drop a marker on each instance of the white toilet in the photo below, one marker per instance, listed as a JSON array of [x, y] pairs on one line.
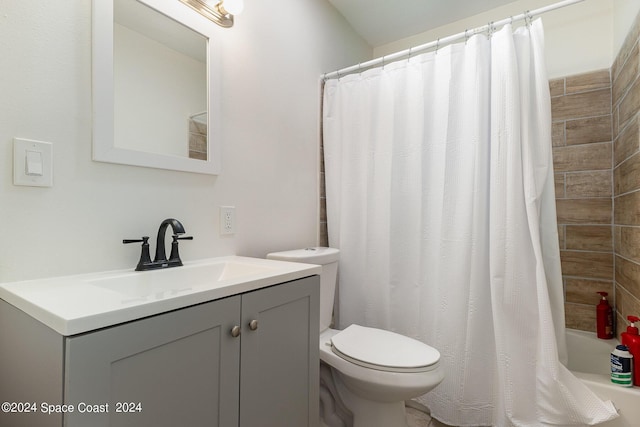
[[374, 371]]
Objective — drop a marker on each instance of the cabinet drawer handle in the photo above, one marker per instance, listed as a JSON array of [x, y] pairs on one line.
[[253, 325], [235, 331]]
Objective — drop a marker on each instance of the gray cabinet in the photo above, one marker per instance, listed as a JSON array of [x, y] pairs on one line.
[[178, 368], [186, 368], [279, 381]]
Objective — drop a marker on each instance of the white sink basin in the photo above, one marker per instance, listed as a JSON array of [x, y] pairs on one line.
[[76, 304], [159, 284]]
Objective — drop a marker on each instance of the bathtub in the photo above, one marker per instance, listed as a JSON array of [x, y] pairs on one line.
[[589, 361]]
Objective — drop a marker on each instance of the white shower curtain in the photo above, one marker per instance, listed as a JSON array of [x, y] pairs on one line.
[[440, 197]]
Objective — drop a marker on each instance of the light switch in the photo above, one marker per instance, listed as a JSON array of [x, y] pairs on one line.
[[32, 163], [33, 166]]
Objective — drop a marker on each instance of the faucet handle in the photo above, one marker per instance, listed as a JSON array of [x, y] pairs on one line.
[[144, 239], [175, 256], [145, 256]]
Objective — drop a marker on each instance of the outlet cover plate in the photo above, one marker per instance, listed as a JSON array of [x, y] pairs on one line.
[[227, 220]]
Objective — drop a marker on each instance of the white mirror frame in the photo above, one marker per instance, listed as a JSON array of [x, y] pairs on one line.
[[104, 149]]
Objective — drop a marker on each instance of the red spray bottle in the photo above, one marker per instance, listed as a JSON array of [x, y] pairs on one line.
[[632, 340], [604, 318]]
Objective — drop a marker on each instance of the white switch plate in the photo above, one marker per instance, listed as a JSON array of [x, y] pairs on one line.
[[20, 177], [227, 220]]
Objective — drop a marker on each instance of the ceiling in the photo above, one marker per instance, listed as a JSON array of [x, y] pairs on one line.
[[384, 21]]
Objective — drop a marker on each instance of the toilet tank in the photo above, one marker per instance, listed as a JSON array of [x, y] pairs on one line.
[[328, 259]]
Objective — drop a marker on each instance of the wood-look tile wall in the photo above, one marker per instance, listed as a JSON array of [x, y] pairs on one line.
[[197, 140], [323, 232], [625, 73], [582, 157]]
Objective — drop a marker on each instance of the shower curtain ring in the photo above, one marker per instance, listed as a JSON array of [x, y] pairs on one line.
[[466, 36], [409, 56], [527, 18], [437, 45]]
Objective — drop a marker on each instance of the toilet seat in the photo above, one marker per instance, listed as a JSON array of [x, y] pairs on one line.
[[383, 350]]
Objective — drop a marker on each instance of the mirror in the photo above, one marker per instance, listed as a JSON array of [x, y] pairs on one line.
[[155, 91]]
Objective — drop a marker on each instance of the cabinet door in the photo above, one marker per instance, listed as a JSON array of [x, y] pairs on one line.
[[182, 367], [279, 382]]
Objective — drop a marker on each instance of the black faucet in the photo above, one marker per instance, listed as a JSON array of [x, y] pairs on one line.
[[161, 260]]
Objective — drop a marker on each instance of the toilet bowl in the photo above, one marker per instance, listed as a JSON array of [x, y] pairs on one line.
[[374, 391], [374, 370]]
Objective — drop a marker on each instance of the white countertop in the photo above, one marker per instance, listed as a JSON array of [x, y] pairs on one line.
[[72, 305]]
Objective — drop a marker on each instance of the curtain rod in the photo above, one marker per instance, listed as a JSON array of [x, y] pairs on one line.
[[446, 40]]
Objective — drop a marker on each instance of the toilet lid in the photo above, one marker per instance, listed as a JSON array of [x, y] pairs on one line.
[[383, 350]]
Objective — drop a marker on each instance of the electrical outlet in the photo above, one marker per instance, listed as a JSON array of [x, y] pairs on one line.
[[227, 220]]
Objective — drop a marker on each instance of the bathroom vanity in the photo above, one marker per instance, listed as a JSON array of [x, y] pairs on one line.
[[224, 342]]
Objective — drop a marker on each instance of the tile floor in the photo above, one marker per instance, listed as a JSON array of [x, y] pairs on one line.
[[416, 418]]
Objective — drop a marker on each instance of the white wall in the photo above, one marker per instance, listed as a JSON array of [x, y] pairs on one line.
[[625, 12], [578, 38], [272, 60]]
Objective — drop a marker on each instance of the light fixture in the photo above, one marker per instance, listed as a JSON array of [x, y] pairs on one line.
[[219, 11]]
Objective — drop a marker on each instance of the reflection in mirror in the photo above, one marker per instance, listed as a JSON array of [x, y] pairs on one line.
[[160, 81], [198, 136], [154, 101]]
